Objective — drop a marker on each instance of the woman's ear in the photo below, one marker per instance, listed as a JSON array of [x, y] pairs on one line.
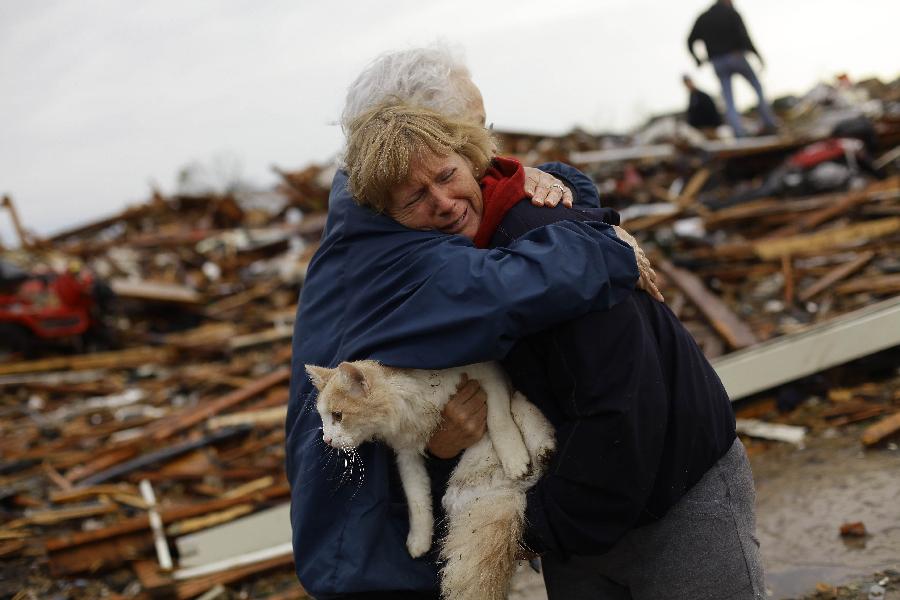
[[320, 376]]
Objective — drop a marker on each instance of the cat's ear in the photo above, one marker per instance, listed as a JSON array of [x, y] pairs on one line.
[[354, 376], [320, 375]]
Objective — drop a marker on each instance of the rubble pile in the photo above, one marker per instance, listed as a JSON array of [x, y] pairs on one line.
[[127, 445]]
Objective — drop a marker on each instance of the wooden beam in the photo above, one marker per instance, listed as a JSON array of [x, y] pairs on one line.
[[735, 332], [880, 431], [24, 239], [152, 458], [191, 417], [110, 546], [835, 275], [693, 187], [155, 291], [838, 208], [122, 359], [823, 240], [877, 284]]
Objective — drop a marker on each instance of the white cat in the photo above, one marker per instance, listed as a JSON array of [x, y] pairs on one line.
[[485, 500]]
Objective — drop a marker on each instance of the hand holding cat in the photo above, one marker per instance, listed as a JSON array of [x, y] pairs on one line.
[[464, 420]]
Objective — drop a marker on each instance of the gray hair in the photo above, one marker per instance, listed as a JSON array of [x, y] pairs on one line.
[[427, 77]]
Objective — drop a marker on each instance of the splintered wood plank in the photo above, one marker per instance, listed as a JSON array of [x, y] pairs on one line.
[[51, 517], [240, 299], [823, 240], [880, 431], [693, 187], [190, 417], [835, 275], [838, 208], [108, 547], [735, 332], [122, 359], [106, 460], [156, 291], [787, 270], [877, 284]]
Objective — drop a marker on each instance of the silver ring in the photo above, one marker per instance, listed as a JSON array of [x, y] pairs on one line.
[[556, 185]]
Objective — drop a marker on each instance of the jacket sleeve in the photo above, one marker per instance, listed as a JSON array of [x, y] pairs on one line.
[[693, 38], [428, 300], [747, 42], [584, 191], [453, 304]]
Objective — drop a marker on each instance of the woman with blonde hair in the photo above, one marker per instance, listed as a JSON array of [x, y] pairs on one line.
[[650, 495]]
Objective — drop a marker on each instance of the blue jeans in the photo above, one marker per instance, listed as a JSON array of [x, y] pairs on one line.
[[736, 63]]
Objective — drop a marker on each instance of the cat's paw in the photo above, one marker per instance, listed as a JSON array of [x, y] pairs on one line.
[[517, 467], [417, 544]]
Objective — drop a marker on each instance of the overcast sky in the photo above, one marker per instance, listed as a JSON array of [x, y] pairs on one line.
[[101, 98]]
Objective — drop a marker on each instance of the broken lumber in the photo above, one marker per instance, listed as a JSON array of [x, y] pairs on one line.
[[155, 291], [835, 275], [269, 416], [151, 458], [193, 416], [122, 359], [823, 240], [881, 284], [110, 546], [880, 431], [735, 332]]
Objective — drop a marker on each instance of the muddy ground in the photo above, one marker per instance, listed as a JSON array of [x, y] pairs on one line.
[[804, 495]]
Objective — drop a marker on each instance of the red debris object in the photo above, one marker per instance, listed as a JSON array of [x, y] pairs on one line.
[[856, 529]]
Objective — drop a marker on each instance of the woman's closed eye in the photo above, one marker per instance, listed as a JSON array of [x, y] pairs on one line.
[[414, 199], [447, 175]]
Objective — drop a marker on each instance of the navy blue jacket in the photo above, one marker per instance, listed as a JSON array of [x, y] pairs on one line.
[[640, 414], [376, 289]]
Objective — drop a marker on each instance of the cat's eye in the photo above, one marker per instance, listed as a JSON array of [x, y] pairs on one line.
[[336, 416]]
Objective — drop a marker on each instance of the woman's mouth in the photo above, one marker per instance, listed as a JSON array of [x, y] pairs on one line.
[[457, 225]]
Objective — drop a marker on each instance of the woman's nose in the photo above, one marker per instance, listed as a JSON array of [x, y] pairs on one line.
[[443, 203]]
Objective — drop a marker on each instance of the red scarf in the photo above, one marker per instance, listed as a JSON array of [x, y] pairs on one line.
[[502, 186]]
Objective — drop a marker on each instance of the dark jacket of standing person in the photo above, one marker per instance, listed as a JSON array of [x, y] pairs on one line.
[[722, 30], [702, 112], [639, 412]]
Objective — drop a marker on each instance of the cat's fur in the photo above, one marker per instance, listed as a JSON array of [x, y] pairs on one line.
[[485, 499]]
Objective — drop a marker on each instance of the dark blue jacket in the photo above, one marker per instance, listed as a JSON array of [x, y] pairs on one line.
[[640, 414], [376, 289]]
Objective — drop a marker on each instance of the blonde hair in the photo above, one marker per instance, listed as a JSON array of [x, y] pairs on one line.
[[384, 140]]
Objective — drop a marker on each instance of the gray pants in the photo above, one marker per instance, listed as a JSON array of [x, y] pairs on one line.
[[704, 548]]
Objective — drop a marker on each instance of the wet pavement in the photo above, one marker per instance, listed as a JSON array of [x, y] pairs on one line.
[[804, 495]]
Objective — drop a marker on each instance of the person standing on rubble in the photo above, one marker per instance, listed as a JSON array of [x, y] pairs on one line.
[[702, 113], [727, 42], [377, 289]]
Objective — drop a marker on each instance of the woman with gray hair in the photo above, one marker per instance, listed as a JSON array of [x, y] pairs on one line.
[[421, 299]]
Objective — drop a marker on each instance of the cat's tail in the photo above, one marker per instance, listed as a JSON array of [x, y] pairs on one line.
[[479, 550]]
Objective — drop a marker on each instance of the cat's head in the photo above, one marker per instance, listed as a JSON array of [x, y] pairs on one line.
[[351, 411]]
